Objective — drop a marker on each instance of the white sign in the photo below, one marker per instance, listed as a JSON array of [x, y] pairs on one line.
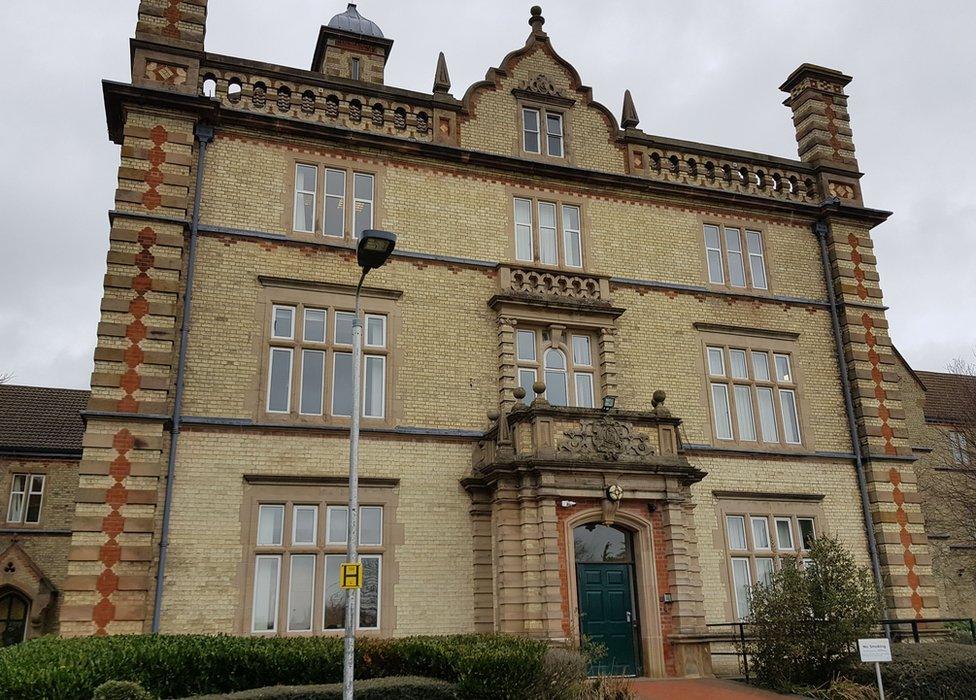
[[874, 650]]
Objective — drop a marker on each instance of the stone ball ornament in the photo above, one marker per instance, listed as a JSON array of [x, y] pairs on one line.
[[519, 393]]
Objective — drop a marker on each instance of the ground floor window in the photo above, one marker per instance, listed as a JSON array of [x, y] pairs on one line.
[[759, 538], [296, 547]]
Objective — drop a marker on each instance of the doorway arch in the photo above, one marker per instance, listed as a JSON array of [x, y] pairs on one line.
[[623, 547], [14, 609]]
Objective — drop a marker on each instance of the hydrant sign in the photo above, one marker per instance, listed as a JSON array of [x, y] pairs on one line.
[[874, 650]]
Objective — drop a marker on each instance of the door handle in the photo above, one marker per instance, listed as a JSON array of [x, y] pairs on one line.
[[628, 616]]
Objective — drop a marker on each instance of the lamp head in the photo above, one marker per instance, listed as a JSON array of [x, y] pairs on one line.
[[374, 248], [609, 402]]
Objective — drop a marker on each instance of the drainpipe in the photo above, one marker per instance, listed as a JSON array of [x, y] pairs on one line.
[[204, 134], [820, 230]]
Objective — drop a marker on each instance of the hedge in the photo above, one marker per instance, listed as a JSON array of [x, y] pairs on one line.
[[928, 671], [372, 689], [480, 666]]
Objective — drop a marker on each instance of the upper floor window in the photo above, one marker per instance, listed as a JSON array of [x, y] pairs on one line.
[[735, 257], [26, 494], [960, 448], [753, 395], [542, 129], [354, 68], [348, 201], [757, 543], [548, 233], [568, 371], [310, 362], [296, 551]]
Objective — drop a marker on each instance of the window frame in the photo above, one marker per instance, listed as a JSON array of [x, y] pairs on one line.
[[772, 509], [324, 495], [323, 166], [563, 342], [544, 109], [563, 235], [959, 449], [744, 228], [26, 495], [330, 301], [754, 347]]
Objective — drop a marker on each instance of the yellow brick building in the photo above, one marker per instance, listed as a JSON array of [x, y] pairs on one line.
[[612, 379]]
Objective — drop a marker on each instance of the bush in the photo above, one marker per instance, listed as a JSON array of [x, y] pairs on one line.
[[480, 666], [121, 690], [563, 675], [936, 671], [372, 689], [806, 622]]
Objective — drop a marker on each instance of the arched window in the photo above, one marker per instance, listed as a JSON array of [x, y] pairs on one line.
[[595, 543], [13, 617], [557, 388]]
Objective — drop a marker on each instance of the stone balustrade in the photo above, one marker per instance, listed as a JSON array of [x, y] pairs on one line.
[[536, 282]]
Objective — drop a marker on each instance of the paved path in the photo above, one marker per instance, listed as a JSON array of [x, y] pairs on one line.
[[700, 689]]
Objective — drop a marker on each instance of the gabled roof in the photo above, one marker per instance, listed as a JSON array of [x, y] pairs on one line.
[[41, 419], [949, 398]]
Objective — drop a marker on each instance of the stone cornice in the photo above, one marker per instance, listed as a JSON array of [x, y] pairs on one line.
[[120, 96]]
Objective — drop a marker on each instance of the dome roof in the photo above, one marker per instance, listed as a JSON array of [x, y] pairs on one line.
[[352, 21]]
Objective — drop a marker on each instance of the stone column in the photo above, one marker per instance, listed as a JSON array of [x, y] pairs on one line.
[[507, 367]]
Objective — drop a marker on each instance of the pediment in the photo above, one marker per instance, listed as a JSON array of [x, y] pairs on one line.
[[536, 73]]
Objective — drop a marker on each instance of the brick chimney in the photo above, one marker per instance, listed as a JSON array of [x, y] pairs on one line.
[[168, 44], [823, 127]]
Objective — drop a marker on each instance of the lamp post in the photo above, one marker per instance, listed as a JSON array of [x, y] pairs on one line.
[[373, 250]]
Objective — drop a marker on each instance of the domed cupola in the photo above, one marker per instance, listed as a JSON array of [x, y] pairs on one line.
[[352, 47], [353, 22]]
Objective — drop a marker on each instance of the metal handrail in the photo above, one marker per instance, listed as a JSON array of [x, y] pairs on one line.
[[739, 637]]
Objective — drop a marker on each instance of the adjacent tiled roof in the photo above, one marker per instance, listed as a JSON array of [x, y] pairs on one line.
[[949, 398], [41, 419]]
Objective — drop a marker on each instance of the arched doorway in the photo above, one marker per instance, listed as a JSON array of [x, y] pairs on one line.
[[605, 584], [13, 617]]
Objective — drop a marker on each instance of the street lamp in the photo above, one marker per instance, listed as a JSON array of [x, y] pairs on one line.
[[373, 251]]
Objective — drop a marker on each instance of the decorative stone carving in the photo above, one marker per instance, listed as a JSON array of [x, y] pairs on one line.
[[606, 438], [841, 189], [542, 85], [555, 284], [165, 73]]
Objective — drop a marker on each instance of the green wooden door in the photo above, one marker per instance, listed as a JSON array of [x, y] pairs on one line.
[[607, 616]]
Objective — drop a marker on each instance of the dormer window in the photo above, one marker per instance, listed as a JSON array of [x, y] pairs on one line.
[[541, 126]]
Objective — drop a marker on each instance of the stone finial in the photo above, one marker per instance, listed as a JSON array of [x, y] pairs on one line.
[[539, 388], [657, 404], [537, 20], [629, 120], [442, 79]]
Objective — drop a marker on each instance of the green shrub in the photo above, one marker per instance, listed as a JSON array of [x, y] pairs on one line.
[[371, 689], [928, 671], [806, 622], [563, 675], [481, 666], [121, 690]]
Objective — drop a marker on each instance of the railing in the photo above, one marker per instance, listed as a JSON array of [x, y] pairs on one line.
[[739, 637]]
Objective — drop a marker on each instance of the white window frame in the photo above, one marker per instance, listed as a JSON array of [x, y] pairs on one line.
[[538, 130], [299, 193], [328, 525], [291, 371], [270, 506], [753, 520], [779, 544], [33, 486], [560, 136], [568, 232], [725, 255], [291, 583], [274, 315], [521, 226], [277, 597], [760, 256], [357, 200], [379, 592], [342, 201], [294, 525]]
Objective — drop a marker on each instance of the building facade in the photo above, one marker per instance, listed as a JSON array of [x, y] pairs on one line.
[[611, 379], [40, 447]]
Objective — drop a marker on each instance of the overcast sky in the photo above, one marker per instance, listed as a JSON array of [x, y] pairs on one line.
[[701, 71]]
